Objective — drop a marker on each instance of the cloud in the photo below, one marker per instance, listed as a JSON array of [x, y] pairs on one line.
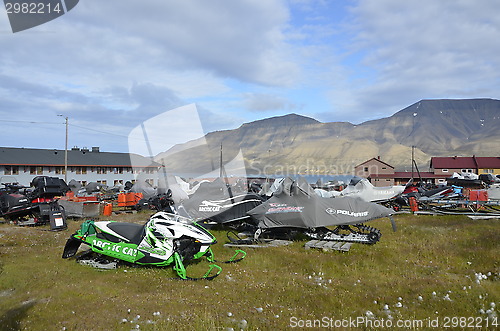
[[121, 62], [109, 65], [413, 50], [238, 39], [260, 102]]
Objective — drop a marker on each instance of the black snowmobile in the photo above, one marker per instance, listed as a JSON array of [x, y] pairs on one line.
[[215, 203], [33, 205], [160, 202]]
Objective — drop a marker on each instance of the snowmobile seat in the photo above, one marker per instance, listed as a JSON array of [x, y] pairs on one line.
[[131, 231]]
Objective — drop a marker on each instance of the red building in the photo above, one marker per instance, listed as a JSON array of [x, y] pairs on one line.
[[382, 174]]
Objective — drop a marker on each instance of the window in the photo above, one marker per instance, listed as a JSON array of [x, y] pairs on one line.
[[489, 171], [365, 169], [444, 170], [39, 170], [7, 170], [118, 170], [32, 170], [103, 170], [441, 180], [81, 170]]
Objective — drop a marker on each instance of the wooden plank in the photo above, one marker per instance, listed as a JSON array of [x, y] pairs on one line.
[[327, 245], [338, 245], [345, 247], [311, 244]]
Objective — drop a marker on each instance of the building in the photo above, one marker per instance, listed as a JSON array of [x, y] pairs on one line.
[[446, 166], [382, 174], [402, 178], [83, 165]]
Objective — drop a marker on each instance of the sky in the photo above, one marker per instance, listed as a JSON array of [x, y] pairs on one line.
[[109, 66]]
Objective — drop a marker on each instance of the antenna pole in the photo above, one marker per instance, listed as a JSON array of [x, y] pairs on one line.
[[220, 163]]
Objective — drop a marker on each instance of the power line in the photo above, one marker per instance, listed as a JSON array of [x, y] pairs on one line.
[[31, 122], [94, 130], [73, 125]]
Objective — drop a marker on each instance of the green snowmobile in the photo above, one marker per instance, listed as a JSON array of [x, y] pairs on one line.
[[166, 239]]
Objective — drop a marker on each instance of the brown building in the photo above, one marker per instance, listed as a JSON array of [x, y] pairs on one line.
[[376, 166], [381, 174], [402, 178]]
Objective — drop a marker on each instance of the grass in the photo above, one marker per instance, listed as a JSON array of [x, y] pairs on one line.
[[436, 258]]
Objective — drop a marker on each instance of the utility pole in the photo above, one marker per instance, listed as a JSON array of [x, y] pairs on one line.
[[66, 151], [413, 144], [412, 160], [220, 161]]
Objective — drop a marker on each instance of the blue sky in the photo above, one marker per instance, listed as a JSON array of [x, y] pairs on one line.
[[111, 65]]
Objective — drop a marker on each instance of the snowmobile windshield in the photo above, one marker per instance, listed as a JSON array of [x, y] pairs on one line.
[[173, 218], [8, 180]]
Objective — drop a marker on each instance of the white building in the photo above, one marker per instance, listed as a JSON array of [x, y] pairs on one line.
[[84, 165]]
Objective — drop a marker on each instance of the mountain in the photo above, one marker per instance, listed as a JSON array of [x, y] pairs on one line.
[[297, 144]]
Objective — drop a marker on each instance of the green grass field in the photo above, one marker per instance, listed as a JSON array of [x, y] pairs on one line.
[[441, 270]]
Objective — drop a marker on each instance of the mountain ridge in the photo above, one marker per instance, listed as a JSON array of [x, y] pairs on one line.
[[297, 143]]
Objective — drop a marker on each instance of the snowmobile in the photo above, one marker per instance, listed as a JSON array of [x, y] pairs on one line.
[[12, 201], [166, 239], [424, 194], [160, 202], [214, 203], [296, 210], [33, 205], [361, 187]]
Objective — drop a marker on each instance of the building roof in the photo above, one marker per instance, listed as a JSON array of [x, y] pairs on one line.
[[470, 162], [488, 162], [376, 159], [76, 157]]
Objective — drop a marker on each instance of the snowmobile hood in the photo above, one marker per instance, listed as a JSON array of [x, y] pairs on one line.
[[363, 189], [176, 226]]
